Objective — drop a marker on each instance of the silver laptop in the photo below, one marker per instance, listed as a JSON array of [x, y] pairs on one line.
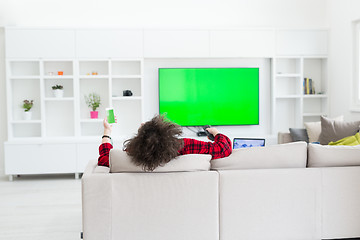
[[248, 142]]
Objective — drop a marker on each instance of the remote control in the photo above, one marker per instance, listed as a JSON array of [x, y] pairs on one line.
[[210, 136]]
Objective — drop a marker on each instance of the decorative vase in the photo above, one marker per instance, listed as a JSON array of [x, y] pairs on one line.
[[58, 93], [27, 115], [94, 114]]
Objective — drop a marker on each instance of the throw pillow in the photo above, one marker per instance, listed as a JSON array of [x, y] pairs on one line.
[[313, 129], [332, 130], [299, 134], [348, 141], [333, 156], [119, 161], [289, 155]]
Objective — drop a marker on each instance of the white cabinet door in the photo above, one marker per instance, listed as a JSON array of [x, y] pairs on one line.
[[86, 152], [40, 158], [242, 43], [176, 43], [302, 42], [109, 43], [40, 43]]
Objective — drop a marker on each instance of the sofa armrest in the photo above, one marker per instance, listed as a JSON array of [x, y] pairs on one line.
[[96, 198], [284, 137], [92, 167]]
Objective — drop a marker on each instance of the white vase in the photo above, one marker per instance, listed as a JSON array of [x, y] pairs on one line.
[[58, 93], [27, 115]]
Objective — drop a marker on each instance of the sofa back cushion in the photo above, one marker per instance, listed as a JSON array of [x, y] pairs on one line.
[[121, 162], [284, 137], [333, 156], [289, 155]]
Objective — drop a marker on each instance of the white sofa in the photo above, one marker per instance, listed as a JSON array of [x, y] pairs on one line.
[[274, 203]]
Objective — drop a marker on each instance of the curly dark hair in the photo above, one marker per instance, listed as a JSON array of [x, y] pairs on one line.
[[155, 144]]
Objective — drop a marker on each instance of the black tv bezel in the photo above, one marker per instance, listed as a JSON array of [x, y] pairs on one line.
[[214, 68]]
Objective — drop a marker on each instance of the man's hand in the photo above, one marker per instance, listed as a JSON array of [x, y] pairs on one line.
[[213, 131], [107, 127], [107, 130]]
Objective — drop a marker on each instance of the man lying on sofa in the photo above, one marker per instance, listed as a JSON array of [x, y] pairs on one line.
[[157, 142]]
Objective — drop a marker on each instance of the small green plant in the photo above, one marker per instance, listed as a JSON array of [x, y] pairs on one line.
[[57, 87], [27, 105], [93, 101]]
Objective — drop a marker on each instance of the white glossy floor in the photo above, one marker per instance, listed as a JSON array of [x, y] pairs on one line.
[[40, 207]]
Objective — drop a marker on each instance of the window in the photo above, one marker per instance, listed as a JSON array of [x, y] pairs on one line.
[[356, 65]]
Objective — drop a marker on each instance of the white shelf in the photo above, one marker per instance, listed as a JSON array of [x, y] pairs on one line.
[[288, 75], [288, 96], [309, 96], [126, 98], [315, 96], [58, 76], [91, 120], [313, 114], [59, 99], [25, 121], [25, 77], [93, 76], [126, 76]]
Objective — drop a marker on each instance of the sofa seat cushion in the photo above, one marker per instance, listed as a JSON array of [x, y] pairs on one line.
[[289, 155], [121, 162], [333, 156]]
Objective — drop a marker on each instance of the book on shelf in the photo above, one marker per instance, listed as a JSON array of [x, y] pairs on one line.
[[309, 86]]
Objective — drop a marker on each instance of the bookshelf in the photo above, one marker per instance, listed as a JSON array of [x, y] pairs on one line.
[[290, 106], [69, 116], [64, 123]]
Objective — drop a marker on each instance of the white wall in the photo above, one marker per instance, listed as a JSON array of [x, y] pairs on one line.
[[154, 14], [342, 13], [3, 115], [164, 13]]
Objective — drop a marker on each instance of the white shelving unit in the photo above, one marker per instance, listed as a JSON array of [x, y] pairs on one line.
[[34, 56], [58, 117], [113, 77], [290, 106], [66, 120]]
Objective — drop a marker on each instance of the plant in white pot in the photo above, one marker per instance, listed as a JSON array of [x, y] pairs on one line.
[[58, 91], [27, 105], [93, 101]]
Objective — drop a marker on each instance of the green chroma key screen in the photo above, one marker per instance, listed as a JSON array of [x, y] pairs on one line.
[[209, 96]]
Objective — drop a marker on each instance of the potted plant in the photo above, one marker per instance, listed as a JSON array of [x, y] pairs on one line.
[[93, 101], [27, 105], [58, 91]]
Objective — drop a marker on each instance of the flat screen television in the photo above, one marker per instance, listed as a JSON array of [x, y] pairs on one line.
[[209, 96]]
